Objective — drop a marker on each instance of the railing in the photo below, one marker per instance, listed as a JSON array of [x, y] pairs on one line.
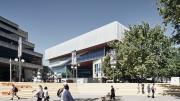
[[25, 64], [2, 43], [9, 22], [23, 34], [15, 39]]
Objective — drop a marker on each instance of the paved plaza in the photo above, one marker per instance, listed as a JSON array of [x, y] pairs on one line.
[[121, 98]]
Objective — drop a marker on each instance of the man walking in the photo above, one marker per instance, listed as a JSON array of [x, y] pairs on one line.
[[153, 89], [112, 93], [142, 85]]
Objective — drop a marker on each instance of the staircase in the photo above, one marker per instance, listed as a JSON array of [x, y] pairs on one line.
[[87, 89], [25, 89]]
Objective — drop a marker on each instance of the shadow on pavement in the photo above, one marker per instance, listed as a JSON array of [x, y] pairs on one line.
[[87, 99], [118, 98], [172, 90], [23, 98]]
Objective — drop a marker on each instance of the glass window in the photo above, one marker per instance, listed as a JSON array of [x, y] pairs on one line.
[[100, 68], [95, 68]]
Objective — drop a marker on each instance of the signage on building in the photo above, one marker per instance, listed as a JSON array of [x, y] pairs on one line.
[[74, 58], [20, 47]]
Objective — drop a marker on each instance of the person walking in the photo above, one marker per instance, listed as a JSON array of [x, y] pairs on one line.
[[142, 85], [46, 95], [14, 91], [66, 95], [112, 93], [59, 92], [39, 93], [138, 89], [148, 90], [153, 89]]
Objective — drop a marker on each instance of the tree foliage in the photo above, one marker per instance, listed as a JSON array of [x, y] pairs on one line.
[[143, 52], [170, 12]]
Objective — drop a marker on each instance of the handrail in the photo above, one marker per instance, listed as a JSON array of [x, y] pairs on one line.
[[2, 43], [25, 64], [15, 39]]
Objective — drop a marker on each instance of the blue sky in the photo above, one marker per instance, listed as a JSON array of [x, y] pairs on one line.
[[50, 22]]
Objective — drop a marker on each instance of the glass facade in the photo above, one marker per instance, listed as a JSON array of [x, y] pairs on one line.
[[97, 70], [92, 55], [85, 71]]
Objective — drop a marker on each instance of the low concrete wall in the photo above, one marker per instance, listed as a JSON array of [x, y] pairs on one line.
[[100, 89]]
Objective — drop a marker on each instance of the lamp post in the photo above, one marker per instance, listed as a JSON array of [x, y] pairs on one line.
[[10, 71], [72, 67], [113, 67], [74, 63], [19, 60], [113, 60], [66, 72]]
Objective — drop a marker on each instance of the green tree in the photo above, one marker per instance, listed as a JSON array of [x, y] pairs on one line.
[[143, 52], [177, 62], [170, 12]]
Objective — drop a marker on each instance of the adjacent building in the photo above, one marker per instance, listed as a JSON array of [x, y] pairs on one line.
[[9, 36], [90, 48]]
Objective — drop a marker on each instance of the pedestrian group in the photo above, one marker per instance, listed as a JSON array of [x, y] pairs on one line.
[[150, 89]]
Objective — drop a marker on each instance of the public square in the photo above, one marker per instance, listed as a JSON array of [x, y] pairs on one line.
[[90, 50], [121, 98]]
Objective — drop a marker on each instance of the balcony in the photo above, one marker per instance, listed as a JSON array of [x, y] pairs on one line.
[[9, 22], [15, 39], [7, 45], [18, 32], [25, 64]]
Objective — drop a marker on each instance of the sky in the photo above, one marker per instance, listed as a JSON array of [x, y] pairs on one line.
[[50, 22]]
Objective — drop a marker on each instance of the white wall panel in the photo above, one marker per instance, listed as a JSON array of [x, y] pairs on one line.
[[109, 32]]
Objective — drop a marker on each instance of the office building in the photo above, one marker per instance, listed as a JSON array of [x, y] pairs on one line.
[[10, 34]]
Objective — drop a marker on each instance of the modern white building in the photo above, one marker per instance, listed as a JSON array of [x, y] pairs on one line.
[[90, 47]]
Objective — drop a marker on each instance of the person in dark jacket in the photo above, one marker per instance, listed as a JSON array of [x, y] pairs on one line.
[[142, 85], [112, 93], [153, 89]]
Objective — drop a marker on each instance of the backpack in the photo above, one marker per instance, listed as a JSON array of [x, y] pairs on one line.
[[59, 92], [15, 89], [40, 95]]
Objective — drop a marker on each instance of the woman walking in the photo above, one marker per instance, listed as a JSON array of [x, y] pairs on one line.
[[39, 93], [66, 95], [148, 90]]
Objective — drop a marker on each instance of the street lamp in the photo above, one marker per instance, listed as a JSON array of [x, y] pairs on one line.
[[113, 60], [74, 63], [113, 67], [10, 71], [20, 71]]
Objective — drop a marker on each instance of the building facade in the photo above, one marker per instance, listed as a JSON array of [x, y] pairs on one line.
[[9, 36], [90, 48]]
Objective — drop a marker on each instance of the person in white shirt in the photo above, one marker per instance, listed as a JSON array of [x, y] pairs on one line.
[[46, 95], [66, 95]]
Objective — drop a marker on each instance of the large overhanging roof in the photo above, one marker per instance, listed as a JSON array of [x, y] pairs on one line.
[[104, 34]]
